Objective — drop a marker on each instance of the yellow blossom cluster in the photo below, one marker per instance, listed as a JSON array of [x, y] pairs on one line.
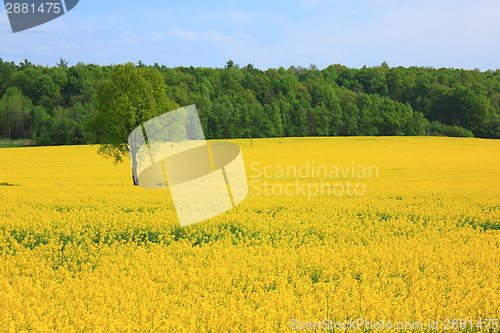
[[83, 250]]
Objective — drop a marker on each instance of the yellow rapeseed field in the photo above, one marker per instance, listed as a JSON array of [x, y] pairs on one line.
[[336, 234]]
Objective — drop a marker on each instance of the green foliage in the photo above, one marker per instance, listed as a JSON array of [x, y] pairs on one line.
[[129, 97], [7, 69], [245, 102], [14, 113], [438, 129]]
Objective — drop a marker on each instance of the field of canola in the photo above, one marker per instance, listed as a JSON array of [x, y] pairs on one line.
[[82, 250]]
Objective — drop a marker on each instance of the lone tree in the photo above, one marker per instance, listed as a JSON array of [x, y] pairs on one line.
[[128, 98]]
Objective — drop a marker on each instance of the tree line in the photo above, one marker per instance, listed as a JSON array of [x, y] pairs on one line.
[[51, 105]]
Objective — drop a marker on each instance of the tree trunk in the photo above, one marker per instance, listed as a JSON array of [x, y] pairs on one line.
[[134, 168]]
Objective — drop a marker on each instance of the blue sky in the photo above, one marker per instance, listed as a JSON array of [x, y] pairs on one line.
[[437, 33]]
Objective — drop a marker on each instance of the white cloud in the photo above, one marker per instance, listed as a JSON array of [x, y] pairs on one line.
[[183, 34], [126, 38], [156, 35]]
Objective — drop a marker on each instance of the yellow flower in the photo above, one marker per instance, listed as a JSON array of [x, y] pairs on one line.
[[82, 250]]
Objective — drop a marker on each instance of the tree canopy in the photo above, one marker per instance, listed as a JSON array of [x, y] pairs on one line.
[[129, 97], [242, 101]]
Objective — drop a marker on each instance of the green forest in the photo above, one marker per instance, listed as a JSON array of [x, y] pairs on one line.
[[50, 105]]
